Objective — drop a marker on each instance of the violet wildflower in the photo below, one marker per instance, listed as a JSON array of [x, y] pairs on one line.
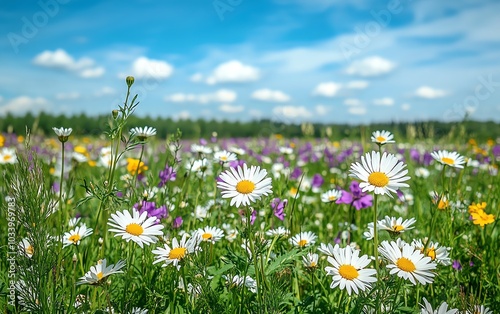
[[296, 173], [177, 223], [150, 208], [279, 205], [356, 198], [168, 174], [317, 181], [456, 265]]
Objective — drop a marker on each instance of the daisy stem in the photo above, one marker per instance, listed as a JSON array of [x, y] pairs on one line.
[[183, 274], [251, 239], [61, 184], [375, 233], [313, 290], [138, 167]]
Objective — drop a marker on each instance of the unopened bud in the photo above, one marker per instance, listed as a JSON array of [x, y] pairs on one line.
[[74, 258], [114, 113], [129, 80]]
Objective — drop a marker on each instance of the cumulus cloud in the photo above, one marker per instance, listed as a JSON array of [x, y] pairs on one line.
[[23, 104], [233, 72], [292, 112], [327, 89], [429, 92], [183, 115], [60, 59], [359, 110], [104, 91], [405, 107], [222, 95], [386, 101], [68, 96], [371, 66], [270, 95], [321, 109], [357, 84], [197, 77], [352, 102], [228, 108], [143, 67]]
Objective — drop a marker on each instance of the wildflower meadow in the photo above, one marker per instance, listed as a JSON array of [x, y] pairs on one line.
[[128, 222]]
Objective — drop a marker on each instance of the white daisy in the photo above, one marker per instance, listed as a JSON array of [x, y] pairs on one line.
[[210, 234], [331, 196], [394, 225], [244, 185], [8, 156], [480, 309], [143, 133], [224, 156], [369, 234], [452, 159], [280, 232], [442, 309], [63, 133], [26, 248], [422, 172], [348, 270], [136, 227], [437, 253], [179, 250], [328, 249], [76, 235], [74, 221], [303, 239], [380, 174], [310, 260], [407, 262], [382, 137], [100, 272], [200, 149], [238, 281]]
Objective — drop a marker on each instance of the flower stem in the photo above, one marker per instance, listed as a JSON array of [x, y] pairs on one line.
[[375, 233]]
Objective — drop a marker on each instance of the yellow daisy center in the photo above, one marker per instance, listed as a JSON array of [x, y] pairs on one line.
[[75, 238], [7, 157], [380, 139], [378, 179], [223, 158], [134, 229], [447, 161], [313, 264], [100, 275], [332, 198], [348, 272], [302, 242], [405, 264], [398, 228], [30, 250], [431, 253], [245, 187], [177, 253], [206, 236]]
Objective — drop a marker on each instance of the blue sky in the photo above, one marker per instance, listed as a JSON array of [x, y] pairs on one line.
[[356, 61]]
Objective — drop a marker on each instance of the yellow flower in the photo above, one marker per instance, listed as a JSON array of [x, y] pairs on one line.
[[472, 142], [20, 139], [134, 167], [490, 142], [2, 140], [476, 208], [481, 218], [80, 149]]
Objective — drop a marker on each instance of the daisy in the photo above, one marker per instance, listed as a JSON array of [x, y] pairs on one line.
[[331, 196], [437, 253], [63, 133], [244, 185], [443, 308], [210, 234], [369, 234], [279, 232], [26, 248], [100, 272], [394, 225], [200, 149], [75, 235], [408, 262], [179, 250], [238, 281], [144, 133], [422, 172], [8, 156], [328, 249], [225, 156], [452, 159], [480, 309], [303, 239], [382, 137], [136, 227], [380, 174], [310, 260], [348, 270]]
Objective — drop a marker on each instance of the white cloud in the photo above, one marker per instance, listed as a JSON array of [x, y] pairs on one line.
[[183, 115], [60, 59], [405, 107], [357, 84], [352, 102], [357, 110], [258, 114], [92, 72], [197, 77], [143, 67], [386, 101], [222, 96], [371, 66], [327, 89], [104, 91], [429, 92], [23, 104], [321, 109], [291, 112], [68, 96], [270, 95], [231, 108], [233, 71]]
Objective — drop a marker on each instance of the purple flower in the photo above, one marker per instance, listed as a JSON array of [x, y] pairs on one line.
[[471, 263], [168, 174], [279, 205], [456, 265], [253, 217], [356, 198], [177, 222], [150, 208], [296, 173], [317, 181]]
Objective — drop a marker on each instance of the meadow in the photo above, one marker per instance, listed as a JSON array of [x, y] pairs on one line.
[[128, 222]]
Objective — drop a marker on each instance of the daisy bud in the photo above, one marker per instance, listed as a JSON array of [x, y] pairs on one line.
[[75, 258], [114, 113], [129, 80]]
